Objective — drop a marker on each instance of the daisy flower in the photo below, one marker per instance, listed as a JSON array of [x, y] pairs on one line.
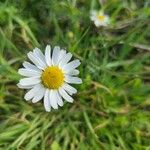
[[99, 18], [49, 77]]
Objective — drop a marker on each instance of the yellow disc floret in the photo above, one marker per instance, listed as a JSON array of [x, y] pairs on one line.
[[52, 77], [101, 17]]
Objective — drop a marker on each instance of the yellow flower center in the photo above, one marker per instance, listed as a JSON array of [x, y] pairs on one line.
[[101, 17], [52, 77]]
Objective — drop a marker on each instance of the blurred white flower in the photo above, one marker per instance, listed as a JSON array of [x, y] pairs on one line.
[[49, 76], [99, 18]]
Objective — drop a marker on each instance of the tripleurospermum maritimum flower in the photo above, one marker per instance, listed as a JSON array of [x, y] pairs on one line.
[[49, 77], [99, 18]]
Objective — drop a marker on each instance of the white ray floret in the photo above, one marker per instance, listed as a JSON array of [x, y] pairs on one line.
[[48, 77], [99, 18]]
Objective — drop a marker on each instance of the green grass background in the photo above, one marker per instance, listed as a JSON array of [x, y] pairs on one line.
[[111, 110]]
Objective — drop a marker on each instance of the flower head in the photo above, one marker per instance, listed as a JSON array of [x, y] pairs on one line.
[[99, 18], [49, 77]]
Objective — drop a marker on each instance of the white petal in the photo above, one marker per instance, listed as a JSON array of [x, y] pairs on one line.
[[28, 65], [74, 80], [65, 60], [72, 65], [37, 52], [39, 94], [62, 54], [31, 93], [59, 99], [55, 55], [29, 81], [25, 87], [99, 23], [29, 72], [48, 55], [93, 15], [71, 90], [73, 72], [36, 60], [47, 105], [106, 19], [64, 94], [53, 99]]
